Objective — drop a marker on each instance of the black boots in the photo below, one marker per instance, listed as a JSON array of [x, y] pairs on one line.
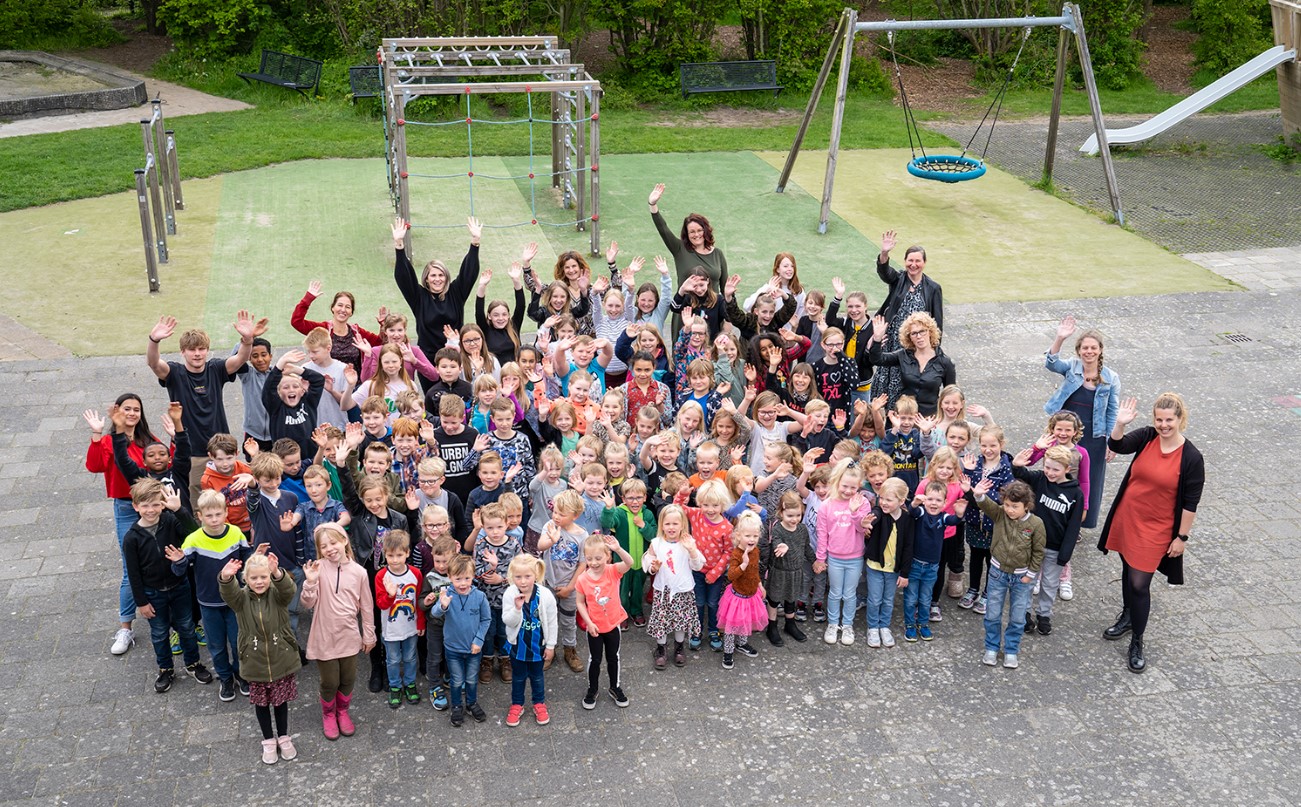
[[774, 634], [1137, 663], [1119, 629], [792, 629]]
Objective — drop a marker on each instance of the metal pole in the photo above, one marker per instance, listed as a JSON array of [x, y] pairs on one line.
[[1095, 106], [156, 196], [158, 141], [1059, 81], [837, 122], [151, 266], [950, 25], [596, 171], [813, 101], [580, 159], [400, 163]]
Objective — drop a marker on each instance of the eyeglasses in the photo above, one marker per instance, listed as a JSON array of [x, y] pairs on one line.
[[472, 339], [429, 482], [833, 345], [919, 333]]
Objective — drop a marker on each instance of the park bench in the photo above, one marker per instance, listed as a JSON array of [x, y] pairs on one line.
[[286, 70], [366, 81], [729, 76]]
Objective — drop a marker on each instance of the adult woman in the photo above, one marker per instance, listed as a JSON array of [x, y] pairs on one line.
[[1153, 512], [693, 248], [501, 327], [1091, 391], [922, 367], [786, 277], [99, 460], [573, 273], [436, 300], [910, 291], [343, 334]]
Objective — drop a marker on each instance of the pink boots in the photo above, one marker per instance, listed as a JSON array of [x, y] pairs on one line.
[[341, 702], [330, 720]]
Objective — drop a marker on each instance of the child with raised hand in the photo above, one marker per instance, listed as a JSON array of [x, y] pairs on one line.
[[343, 624], [903, 441], [252, 377], [529, 613], [466, 619], [802, 389], [994, 464], [673, 558], [817, 492], [493, 551], [1016, 554], [207, 550], [712, 532], [598, 587], [339, 379], [396, 587], [691, 433], [432, 583], [945, 470], [781, 467], [172, 468], [784, 550], [741, 609], [1066, 429], [291, 409], [740, 486], [271, 660], [561, 544], [500, 326], [226, 474], [843, 522], [633, 526], [932, 524], [512, 446], [889, 555], [612, 427], [1059, 503]]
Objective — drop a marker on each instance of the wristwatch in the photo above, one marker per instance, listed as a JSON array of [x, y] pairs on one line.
[[1183, 538]]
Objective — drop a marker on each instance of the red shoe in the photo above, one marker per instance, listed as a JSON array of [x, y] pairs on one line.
[[540, 713], [513, 716]]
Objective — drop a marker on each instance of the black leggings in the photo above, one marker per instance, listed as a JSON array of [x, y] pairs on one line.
[[282, 720], [787, 607], [1136, 589], [609, 644], [979, 565]]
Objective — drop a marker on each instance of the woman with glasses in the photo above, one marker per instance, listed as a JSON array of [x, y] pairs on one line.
[[922, 367], [911, 291]]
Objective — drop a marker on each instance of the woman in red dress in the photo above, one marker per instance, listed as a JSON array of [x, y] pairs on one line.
[[1153, 512]]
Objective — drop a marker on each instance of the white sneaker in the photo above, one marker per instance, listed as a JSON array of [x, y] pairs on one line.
[[123, 641], [830, 635], [1065, 591], [1010, 661], [990, 659], [873, 637], [887, 638], [846, 635], [1038, 584]]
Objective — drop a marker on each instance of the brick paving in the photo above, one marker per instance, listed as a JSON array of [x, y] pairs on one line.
[[1215, 719]]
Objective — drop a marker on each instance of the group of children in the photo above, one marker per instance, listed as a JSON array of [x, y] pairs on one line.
[[475, 525]]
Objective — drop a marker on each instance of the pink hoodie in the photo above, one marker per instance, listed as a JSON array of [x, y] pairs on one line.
[[337, 598], [840, 531]]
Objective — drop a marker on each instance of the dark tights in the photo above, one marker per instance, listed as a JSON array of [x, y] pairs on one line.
[[607, 643], [979, 565], [1136, 588], [282, 720]]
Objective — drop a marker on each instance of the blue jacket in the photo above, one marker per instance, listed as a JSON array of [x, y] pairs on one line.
[[1106, 400], [465, 621]]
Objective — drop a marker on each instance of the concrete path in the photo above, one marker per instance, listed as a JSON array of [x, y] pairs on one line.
[[177, 101], [1215, 720]]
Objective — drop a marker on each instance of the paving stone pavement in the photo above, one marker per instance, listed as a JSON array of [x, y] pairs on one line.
[[1216, 719]]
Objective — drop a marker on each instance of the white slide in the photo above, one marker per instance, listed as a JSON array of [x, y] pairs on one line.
[[1196, 102]]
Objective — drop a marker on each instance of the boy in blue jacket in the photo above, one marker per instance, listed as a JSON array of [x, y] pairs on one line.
[[466, 617]]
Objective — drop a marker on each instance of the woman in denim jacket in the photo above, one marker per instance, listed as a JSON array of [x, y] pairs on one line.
[[1092, 391]]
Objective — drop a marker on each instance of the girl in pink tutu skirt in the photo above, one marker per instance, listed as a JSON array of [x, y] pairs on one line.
[[742, 611]]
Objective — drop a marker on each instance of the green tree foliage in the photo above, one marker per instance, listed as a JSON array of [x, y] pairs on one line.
[[41, 24], [651, 37], [796, 33], [1231, 32], [1112, 27]]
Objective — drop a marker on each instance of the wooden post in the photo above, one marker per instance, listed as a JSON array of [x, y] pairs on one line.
[[400, 161], [151, 266], [812, 106], [155, 195], [556, 140], [1095, 106], [595, 156], [1286, 15], [838, 120], [174, 169], [580, 158], [1059, 81]]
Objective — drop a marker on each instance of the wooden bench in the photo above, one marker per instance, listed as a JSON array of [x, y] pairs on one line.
[[729, 76], [366, 81], [286, 70]]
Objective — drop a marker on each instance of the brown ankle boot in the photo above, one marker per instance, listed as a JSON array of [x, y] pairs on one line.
[[485, 670], [572, 659], [503, 668]]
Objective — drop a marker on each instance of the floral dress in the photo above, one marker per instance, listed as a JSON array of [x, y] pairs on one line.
[[980, 528], [888, 379]]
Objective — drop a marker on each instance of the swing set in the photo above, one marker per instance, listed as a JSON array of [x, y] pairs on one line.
[[951, 168]]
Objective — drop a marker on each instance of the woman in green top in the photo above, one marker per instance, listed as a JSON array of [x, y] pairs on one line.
[[692, 248]]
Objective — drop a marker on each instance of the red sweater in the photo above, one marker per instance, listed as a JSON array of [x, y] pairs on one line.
[[99, 460], [304, 325], [713, 540]]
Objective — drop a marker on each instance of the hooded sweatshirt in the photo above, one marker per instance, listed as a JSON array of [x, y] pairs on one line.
[[339, 595], [1060, 505]]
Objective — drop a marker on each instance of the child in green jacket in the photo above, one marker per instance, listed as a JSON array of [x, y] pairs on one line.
[[634, 537]]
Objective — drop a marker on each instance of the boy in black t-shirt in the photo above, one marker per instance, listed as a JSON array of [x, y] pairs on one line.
[[455, 441], [291, 411]]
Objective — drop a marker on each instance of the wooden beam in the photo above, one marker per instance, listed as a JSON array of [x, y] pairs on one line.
[[419, 71], [484, 88], [1095, 106], [837, 121], [812, 106], [1054, 117]]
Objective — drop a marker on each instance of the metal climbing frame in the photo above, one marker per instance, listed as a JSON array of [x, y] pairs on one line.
[[1070, 23], [413, 68]]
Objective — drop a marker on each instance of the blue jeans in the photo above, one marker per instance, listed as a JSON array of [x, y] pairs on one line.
[[223, 630], [842, 589], [532, 672], [124, 515], [917, 597], [707, 597], [300, 577], [880, 598], [400, 659], [172, 610], [1005, 586], [495, 642], [463, 669]]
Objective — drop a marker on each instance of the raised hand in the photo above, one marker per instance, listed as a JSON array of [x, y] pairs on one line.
[[983, 487], [978, 411], [94, 420], [860, 407], [287, 521], [838, 286], [173, 553], [247, 327], [117, 416], [655, 194], [528, 252], [601, 285], [445, 597], [475, 228], [353, 434], [969, 460], [879, 326], [427, 434], [231, 568], [516, 271], [661, 265], [1127, 412], [888, 241], [738, 454], [925, 424], [612, 252], [360, 343], [1045, 441], [400, 229], [314, 289], [607, 498], [252, 448], [485, 277], [172, 500], [273, 563], [812, 456], [780, 550], [687, 318], [1022, 458], [879, 402], [450, 334], [390, 586], [1066, 327], [350, 375], [312, 570], [163, 329], [733, 281], [745, 560], [481, 443], [838, 420]]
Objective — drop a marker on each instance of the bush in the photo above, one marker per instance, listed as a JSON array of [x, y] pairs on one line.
[[652, 37], [796, 33], [53, 25], [1112, 29], [1231, 32], [215, 28]]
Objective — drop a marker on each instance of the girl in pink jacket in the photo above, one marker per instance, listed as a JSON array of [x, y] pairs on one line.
[[337, 590], [842, 524]]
